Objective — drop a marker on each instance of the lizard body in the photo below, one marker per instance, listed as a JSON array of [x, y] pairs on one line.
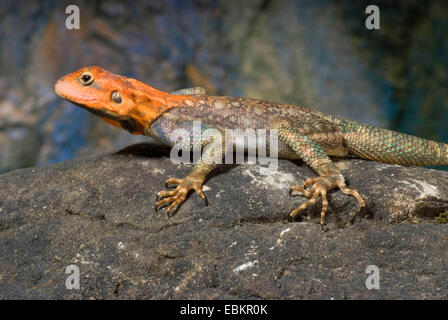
[[302, 133]]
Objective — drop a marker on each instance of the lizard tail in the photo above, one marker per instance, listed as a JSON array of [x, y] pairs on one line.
[[373, 143]]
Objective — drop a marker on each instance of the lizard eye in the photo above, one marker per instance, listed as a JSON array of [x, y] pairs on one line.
[[116, 96], [86, 78]]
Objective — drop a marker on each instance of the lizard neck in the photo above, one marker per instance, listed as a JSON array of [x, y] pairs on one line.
[[150, 104]]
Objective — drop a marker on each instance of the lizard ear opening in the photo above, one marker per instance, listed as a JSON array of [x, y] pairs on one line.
[[116, 97]]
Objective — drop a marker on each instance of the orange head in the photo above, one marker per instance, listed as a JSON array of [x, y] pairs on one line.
[[123, 102]]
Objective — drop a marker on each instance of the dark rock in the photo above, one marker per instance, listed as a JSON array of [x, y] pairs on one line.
[[98, 214]]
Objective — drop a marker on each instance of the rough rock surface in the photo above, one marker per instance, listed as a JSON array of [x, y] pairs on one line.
[[98, 214]]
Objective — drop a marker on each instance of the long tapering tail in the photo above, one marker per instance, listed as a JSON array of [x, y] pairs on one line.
[[373, 143]]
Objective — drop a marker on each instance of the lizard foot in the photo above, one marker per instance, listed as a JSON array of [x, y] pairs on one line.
[[173, 198], [320, 187]]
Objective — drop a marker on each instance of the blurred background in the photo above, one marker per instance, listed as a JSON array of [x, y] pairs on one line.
[[315, 53]]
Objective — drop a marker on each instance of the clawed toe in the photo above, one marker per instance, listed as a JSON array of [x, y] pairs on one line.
[[302, 190], [170, 181]]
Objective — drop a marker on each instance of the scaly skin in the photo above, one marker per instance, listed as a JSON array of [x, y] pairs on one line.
[[302, 133]]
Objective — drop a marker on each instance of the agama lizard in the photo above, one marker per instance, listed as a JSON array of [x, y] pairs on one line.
[[302, 133]]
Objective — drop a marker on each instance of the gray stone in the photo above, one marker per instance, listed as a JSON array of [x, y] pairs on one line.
[[98, 214]]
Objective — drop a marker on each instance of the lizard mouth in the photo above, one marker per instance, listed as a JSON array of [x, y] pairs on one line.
[[125, 122], [103, 113]]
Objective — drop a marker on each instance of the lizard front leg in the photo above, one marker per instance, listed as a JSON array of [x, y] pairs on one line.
[[194, 180], [314, 155]]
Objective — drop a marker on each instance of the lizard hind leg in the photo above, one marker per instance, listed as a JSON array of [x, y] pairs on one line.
[[306, 143], [319, 187]]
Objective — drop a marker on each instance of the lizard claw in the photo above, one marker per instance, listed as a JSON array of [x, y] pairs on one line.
[[172, 181], [173, 198], [319, 187]]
